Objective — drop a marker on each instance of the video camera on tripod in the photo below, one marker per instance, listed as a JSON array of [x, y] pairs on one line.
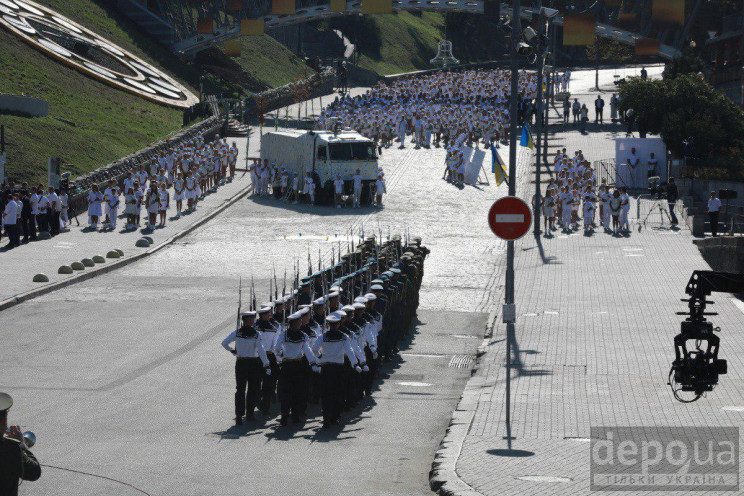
[[657, 187]]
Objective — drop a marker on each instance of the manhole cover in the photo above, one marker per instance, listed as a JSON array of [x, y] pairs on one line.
[[461, 362], [544, 478]]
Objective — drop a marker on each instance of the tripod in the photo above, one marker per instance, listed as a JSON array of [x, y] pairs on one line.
[[657, 206]]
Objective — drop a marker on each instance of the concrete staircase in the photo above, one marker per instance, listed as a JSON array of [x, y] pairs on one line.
[[148, 21]]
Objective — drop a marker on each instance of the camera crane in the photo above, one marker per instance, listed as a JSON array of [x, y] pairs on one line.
[[697, 370]]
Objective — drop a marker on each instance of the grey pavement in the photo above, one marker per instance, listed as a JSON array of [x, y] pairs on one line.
[[78, 242], [593, 347], [123, 375]]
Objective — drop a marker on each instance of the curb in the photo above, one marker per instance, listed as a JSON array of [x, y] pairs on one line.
[[443, 478], [104, 269]]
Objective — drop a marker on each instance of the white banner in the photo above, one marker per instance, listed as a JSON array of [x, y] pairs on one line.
[[628, 150]]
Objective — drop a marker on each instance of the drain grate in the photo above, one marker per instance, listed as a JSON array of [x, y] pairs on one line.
[[461, 362]]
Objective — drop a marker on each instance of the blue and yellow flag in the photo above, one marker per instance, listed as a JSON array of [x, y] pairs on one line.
[[498, 167], [526, 139]]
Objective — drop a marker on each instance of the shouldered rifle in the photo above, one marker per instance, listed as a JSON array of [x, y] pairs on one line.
[[240, 299]]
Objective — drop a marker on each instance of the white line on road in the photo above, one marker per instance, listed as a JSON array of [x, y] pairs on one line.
[[739, 304], [415, 384]]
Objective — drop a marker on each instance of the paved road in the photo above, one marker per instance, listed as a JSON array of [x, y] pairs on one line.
[[123, 376]]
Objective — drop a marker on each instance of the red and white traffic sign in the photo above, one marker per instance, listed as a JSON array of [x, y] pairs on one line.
[[510, 218]]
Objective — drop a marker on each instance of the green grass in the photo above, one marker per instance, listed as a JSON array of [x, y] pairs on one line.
[[269, 62], [408, 42], [109, 123]]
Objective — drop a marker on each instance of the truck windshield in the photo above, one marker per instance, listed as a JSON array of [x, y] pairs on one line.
[[352, 151], [363, 151]]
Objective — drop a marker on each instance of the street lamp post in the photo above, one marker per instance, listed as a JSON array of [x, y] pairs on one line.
[[538, 120], [509, 283]]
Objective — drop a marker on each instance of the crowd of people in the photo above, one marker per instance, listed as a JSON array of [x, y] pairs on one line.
[[440, 109], [324, 340], [573, 199], [186, 172], [271, 180]]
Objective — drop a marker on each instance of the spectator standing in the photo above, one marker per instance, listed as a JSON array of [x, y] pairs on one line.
[[42, 219], [599, 104], [614, 105], [11, 213], [584, 118], [576, 108], [566, 110], [53, 211], [714, 208], [672, 195]]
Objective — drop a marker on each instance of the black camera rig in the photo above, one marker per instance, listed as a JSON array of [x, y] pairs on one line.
[[696, 371]]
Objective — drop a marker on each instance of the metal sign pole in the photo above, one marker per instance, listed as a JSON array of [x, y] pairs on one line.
[[513, 115]]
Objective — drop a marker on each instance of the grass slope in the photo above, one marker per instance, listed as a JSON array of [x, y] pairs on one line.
[[408, 42], [109, 123], [269, 62]]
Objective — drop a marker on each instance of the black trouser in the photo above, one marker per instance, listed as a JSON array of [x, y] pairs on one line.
[[248, 371], [350, 385], [292, 389], [332, 391], [599, 115], [369, 377], [41, 223], [713, 216], [268, 386], [30, 231], [12, 231], [671, 211], [53, 219]]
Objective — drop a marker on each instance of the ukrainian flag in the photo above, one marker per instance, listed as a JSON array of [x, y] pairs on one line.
[[498, 167], [526, 139]]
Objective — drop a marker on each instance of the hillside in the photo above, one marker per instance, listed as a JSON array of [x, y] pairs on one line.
[[406, 41], [108, 123]]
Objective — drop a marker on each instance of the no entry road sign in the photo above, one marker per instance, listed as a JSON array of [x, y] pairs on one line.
[[510, 218]]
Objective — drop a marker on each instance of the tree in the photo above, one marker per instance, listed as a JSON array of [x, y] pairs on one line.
[[687, 63], [687, 106]]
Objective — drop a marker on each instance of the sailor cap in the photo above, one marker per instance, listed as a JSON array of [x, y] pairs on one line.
[[294, 316], [370, 297], [333, 294], [347, 308], [359, 306], [248, 314], [360, 299], [334, 317], [264, 310], [376, 287], [319, 301], [340, 313]]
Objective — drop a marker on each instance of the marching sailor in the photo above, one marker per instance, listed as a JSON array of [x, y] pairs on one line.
[[268, 333], [250, 365], [291, 347]]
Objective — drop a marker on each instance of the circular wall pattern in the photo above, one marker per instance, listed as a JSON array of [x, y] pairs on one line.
[[76, 46]]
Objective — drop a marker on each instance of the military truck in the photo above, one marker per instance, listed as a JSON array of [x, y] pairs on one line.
[[325, 154]]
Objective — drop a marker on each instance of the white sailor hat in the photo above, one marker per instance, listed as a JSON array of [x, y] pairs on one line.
[[293, 316], [278, 301], [334, 317], [370, 297], [304, 310], [347, 308], [359, 306], [333, 294], [264, 310], [360, 299], [267, 305], [377, 287], [247, 314], [341, 313], [319, 301]]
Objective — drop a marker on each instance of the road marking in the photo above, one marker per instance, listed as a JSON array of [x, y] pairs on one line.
[[733, 408], [634, 255], [544, 478], [739, 304], [422, 355], [463, 336], [550, 312], [529, 315], [415, 384]]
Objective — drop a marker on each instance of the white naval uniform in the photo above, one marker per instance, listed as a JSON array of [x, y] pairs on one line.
[[112, 205]]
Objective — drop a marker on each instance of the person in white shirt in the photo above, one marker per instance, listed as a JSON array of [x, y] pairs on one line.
[[64, 203], [714, 208], [42, 219], [624, 209], [131, 208], [164, 203], [34, 201], [179, 193], [107, 194], [615, 208], [53, 211], [10, 220], [338, 190], [309, 188], [290, 347], [94, 206], [250, 365], [380, 189], [652, 164], [357, 179]]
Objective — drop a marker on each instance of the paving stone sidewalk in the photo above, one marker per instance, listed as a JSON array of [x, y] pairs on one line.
[[20, 264], [593, 347]]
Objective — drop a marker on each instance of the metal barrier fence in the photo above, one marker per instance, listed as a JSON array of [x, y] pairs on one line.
[[606, 170]]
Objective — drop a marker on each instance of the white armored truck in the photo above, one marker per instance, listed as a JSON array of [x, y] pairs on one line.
[[325, 155]]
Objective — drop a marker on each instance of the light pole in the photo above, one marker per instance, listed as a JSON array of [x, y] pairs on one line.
[[509, 313], [539, 117]]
